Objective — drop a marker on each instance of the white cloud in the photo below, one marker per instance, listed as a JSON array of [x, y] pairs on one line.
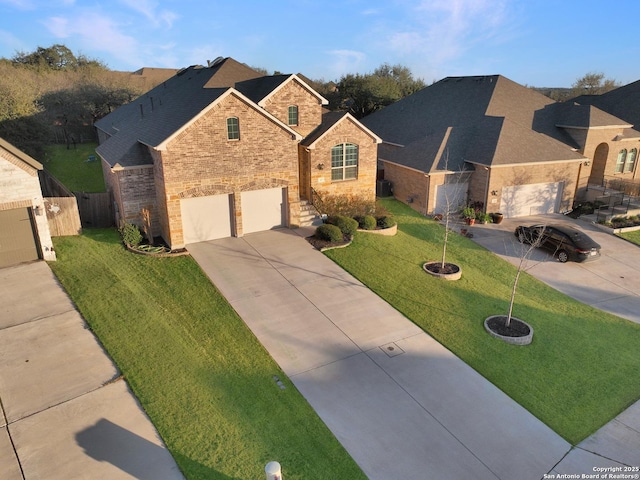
[[97, 33], [345, 61], [441, 31], [149, 8]]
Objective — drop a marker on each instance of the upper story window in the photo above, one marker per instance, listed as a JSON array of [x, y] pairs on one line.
[[622, 157], [233, 128], [293, 115], [344, 162], [631, 160]]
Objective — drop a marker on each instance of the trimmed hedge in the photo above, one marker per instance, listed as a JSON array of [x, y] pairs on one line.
[[386, 221], [366, 222], [347, 226], [328, 232]]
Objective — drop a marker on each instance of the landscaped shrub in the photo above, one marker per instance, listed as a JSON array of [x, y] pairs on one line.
[[348, 206], [366, 222], [130, 234], [348, 226], [386, 221], [329, 232]]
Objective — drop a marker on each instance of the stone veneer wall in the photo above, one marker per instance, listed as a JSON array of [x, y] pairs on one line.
[[202, 161], [365, 185]]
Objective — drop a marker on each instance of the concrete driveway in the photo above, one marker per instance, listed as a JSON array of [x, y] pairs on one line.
[[610, 283], [401, 404], [66, 412]]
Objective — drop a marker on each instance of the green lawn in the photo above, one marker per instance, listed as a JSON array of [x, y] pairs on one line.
[[631, 236], [583, 367], [71, 167], [202, 377]]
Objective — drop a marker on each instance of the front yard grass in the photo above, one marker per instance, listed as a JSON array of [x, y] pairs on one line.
[[202, 377], [583, 367], [72, 168], [633, 236]]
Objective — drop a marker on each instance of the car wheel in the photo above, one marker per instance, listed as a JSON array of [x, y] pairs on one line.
[[563, 256]]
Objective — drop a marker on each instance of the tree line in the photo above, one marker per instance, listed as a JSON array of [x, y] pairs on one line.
[[51, 95]]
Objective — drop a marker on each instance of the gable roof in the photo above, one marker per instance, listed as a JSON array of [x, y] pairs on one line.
[[329, 121], [489, 120], [157, 116], [16, 152], [623, 102], [260, 90], [574, 115]]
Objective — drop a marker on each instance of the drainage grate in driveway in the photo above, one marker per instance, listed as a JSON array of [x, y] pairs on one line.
[[391, 349]]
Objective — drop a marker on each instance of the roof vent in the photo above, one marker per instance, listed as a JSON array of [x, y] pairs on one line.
[[213, 63]]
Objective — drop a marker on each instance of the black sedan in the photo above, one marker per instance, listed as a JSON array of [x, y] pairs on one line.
[[566, 242]]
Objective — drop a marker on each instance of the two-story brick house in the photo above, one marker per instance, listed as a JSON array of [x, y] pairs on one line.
[[488, 139], [224, 151]]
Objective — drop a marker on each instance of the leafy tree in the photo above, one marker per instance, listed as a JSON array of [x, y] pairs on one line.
[[365, 94], [55, 57], [593, 83]]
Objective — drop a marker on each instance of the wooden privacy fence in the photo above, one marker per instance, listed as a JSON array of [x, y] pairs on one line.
[[95, 209], [62, 216]]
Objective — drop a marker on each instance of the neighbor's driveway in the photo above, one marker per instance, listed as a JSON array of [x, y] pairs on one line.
[[610, 283]]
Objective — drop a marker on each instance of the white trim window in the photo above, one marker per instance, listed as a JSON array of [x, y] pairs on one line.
[[233, 128], [293, 115], [344, 162], [622, 157], [631, 160]]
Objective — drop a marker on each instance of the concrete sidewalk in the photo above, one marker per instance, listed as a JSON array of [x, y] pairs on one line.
[[401, 404], [66, 413]]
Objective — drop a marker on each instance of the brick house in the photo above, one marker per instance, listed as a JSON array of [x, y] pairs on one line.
[[223, 151], [24, 230], [490, 140]]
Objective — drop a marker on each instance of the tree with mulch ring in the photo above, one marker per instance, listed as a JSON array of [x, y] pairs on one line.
[[443, 269], [507, 327]]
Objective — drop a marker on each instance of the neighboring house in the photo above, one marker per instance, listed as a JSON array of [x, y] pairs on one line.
[[24, 230], [224, 151], [489, 140]]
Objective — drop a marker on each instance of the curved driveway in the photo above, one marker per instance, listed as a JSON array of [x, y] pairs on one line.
[[610, 283]]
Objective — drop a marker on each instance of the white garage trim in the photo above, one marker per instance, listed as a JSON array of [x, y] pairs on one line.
[[532, 199], [263, 209], [206, 218]]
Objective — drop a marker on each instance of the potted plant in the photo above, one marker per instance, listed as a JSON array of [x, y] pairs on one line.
[[469, 215], [483, 217]]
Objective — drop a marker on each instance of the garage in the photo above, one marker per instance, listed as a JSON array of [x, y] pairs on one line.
[[533, 199], [450, 196], [263, 210], [17, 237], [206, 218]]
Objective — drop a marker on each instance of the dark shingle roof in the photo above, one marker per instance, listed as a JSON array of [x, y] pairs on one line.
[[586, 116], [623, 102], [258, 88], [491, 120], [159, 113], [329, 119]]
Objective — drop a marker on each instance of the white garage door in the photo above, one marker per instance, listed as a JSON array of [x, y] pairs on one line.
[[263, 210], [205, 218], [450, 196], [534, 199]]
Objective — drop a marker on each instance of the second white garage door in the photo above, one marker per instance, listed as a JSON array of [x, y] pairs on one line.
[[205, 218], [533, 199], [263, 210]]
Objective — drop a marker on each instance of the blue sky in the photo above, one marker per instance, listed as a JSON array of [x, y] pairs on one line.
[[534, 42]]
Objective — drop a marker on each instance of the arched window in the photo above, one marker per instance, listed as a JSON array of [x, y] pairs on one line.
[[344, 162], [233, 128], [622, 156], [293, 115], [631, 160]]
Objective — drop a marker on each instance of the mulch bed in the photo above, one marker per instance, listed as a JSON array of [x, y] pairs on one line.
[[448, 268], [319, 244], [516, 328]]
